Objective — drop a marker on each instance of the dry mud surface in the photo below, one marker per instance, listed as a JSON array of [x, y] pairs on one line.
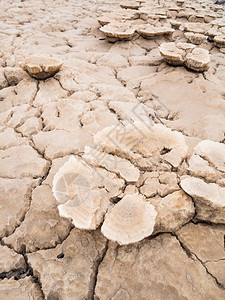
[[44, 122]]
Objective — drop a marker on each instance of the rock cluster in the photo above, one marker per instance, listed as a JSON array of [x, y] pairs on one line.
[[187, 54], [148, 191]]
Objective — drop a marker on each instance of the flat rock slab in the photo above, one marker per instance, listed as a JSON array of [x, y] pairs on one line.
[[132, 272], [22, 289], [69, 270]]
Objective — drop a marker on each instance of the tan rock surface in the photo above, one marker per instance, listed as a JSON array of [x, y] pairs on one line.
[[24, 161], [15, 201], [44, 122], [197, 238], [209, 199], [10, 260], [42, 226], [76, 260], [22, 289], [159, 268]]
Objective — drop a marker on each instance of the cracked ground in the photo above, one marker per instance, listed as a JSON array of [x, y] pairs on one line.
[[43, 123]]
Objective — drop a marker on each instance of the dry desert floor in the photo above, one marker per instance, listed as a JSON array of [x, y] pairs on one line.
[[150, 136]]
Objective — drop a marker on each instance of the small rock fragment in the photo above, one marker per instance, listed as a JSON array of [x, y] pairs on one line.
[[209, 199], [130, 220]]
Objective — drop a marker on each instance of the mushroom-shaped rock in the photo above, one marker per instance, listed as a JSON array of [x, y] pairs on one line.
[[120, 15], [172, 54], [175, 24], [209, 199], [40, 67], [130, 4], [197, 27], [149, 31], [212, 32], [219, 41], [196, 38], [130, 220], [118, 31], [198, 60], [79, 196]]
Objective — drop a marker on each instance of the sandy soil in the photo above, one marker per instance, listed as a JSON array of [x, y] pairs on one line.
[[102, 84]]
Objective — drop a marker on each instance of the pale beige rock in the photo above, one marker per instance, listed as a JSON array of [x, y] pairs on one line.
[[158, 268], [40, 67], [208, 197], [118, 31], [14, 202], [208, 160], [198, 60], [14, 75], [219, 41], [130, 4], [114, 93], [81, 198], [150, 187], [19, 114], [157, 141], [42, 227], [197, 27], [55, 166], [76, 259], [217, 269], [154, 31], [196, 38], [213, 152], [197, 238], [24, 161], [9, 138], [49, 90], [172, 54], [133, 111], [173, 211], [30, 126], [58, 143], [22, 289], [3, 81], [23, 93], [130, 220], [112, 163], [10, 260], [201, 168], [118, 16], [64, 114]]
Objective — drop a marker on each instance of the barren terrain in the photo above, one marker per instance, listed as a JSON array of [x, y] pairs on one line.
[[124, 85]]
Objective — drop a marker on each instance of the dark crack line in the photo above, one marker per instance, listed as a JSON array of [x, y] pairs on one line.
[[94, 276], [195, 258]]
